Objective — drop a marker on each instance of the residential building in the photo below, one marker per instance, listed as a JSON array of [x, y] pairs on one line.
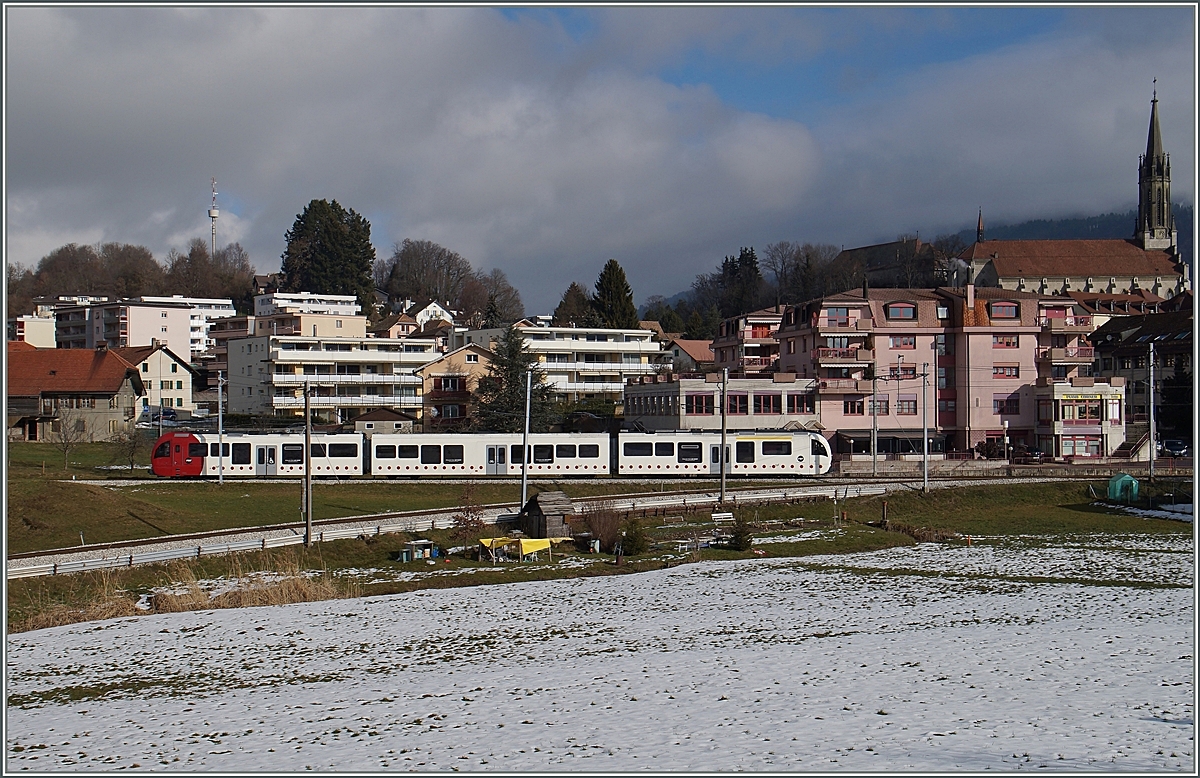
[[38, 331], [348, 376], [449, 383], [687, 356], [46, 306], [1148, 262], [121, 323], [168, 379], [675, 402], [581, 363], [746, 344], [398, 325], [204, 310], [306, 302], [385, 420], [91, 393], [907, 262]]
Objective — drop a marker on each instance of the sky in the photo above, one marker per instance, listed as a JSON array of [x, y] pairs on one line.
[[545, 141]]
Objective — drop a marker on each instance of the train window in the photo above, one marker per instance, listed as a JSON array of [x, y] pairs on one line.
[[196, 449], [163, 451], [777, 448], [212, 450], [589, 451], [406, 452], [564, 452], [293, 453], [431, 455], [744, 451], [452, 455], [716, 455], [385, 452], [343, 449], [516, 458], [270, 455], [691, 452], [639, 449], [818, 448], [262, 456], [317, 450], [491, 455], [543, 454], [241, 454], [664, 449]]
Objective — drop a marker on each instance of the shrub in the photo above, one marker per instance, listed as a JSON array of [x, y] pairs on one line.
[[634, 540]]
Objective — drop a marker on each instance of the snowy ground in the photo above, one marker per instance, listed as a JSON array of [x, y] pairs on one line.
[[933, 657]]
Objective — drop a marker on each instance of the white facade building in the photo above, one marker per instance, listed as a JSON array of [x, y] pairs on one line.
[[203, 311], [37, 331], [124, 323], [306, 302]]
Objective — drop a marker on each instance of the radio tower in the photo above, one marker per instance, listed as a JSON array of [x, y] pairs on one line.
[[213, 213]]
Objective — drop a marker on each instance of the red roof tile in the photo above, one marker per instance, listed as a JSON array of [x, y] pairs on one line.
[[20, 345], [58, 370], [1096, 258]]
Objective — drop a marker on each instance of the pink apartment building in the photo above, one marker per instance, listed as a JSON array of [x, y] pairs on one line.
[[973, 363], [746, 343]]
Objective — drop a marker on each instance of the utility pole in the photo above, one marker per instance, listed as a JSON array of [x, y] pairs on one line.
[[724, 425], [220, 429], [874, 422], [925, 424], [308, 531], [1150, 400], [525, 440]]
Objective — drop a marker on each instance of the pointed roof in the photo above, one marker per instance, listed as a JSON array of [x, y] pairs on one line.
[[699, 350], [1154, 138], [20, 345], [135, 355]]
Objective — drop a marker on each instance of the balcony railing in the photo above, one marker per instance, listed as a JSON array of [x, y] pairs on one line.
[[344, 378], [841, 384], [851, 354], [1069, 323], [1072, 354], [376, 400]]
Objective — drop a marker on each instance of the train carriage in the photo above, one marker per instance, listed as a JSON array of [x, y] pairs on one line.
[[489, 454], [195, 454], [699, 453]]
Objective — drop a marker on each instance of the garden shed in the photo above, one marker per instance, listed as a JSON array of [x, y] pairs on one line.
[[547, 515], [1123, 487]]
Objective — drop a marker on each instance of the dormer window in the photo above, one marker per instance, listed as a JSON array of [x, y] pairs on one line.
[[1004, 310], [900, 311]]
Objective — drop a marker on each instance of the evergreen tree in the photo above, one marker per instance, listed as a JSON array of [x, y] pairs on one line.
[[491, 313], [576, 308], [613, 300], [741, 283], [329, 251], [501, 393]]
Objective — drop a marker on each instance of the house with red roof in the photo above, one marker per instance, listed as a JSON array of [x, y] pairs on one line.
[[93, 392]]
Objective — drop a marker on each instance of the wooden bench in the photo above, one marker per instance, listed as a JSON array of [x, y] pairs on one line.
[[721, 517]]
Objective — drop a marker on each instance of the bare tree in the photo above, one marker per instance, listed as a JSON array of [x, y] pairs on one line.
[[422, 269], [468, 522], [506, 298], [68, 430], [783, 260], [128, 446]]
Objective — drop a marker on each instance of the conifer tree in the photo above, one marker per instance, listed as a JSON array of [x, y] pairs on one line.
[[575, 308], [501, 393], [329, 251], [613, 300]]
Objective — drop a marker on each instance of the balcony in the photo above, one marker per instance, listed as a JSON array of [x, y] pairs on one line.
[[1074, 355], [835, 385], [843, 324], [363, 401], [330, 379], [843, 356], [1064, 325]]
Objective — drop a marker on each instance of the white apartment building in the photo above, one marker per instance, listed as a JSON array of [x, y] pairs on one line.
[[37, 331], [672, 402], [348, 376], [203, 311], [124, 323], [167, 379], [582, 363], [306, 302]]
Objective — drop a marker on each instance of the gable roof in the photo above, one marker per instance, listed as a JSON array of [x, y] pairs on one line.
[[135, 355], [699, 350], [20, 345], [68, 371], [1080, 258], [391, 321], [383, 414], [478, 348]]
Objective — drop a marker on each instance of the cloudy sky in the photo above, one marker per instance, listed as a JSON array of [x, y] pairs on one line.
[[544, 142]]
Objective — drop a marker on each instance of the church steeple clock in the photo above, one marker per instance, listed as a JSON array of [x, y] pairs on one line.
[[1155, 223]]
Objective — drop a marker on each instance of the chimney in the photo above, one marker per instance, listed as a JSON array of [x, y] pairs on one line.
[[970, 296]]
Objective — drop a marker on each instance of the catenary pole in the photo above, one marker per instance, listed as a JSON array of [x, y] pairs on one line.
[[220, 429], [308, 511], [1150, 400], [724, 426], [925, 423], [525, 440]]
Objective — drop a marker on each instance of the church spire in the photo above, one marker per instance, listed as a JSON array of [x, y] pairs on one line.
[[979, 227], [1155, 224]]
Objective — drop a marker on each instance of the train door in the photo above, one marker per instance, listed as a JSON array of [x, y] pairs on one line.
[[496, 456], [266, 461], [714, 460]]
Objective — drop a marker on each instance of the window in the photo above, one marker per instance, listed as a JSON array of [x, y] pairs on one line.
[[1006, 371], [903, 341], [838, 317], [293, 453], [852, 406], [902, 370], [1004, 341], [214, 452], [943, 312], [1006, 404], [385, 452], [407, 452], [739, 405], [431, 455], [589, 451], [1126, 363], [179, 386], [744, 451], [699, 405], [638, 449], [241, 454], [1114, 410], [664, 449], [690, 452], [564, 451], [878, 402], [553, 358], [900, 311], [1045, 411], [80, 426], [906, 405], [114, 402], [317, 451], [164, 314], [472, 358], [451, 411], [777, 448], [145, 367], [943, 345], [802, 403], [768, 403], [791, 346], [343, 449], [1106, 363], [196, 449], [453, 455], [174, 368], [947, 406], [1004, 310]]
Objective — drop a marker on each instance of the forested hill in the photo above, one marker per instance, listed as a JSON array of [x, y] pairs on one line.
[[1110, 225]]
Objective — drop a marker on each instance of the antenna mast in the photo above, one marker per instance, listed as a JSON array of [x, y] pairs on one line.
[[213, 213]]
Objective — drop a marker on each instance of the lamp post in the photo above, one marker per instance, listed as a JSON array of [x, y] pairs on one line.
[[1150, 405], [220, 428], [1006, 439], [874, 423], [925, 424], [525, 440], [724, 426], [307, 467]]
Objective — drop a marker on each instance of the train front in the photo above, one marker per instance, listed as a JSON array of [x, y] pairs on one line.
[[178, 455]]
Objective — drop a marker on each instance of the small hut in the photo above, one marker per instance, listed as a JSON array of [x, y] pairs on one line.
[[547, 515], [1123, 488]]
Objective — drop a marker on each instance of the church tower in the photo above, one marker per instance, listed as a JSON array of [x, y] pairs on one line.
[[1155, 223]]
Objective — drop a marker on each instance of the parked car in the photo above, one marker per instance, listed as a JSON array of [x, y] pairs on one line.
[[150, 413], [1175, 448]]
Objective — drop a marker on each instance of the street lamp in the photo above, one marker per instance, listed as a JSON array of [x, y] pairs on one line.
[[1006, 438], [220, 428], [724, 425], [525, 440], [308, 512]]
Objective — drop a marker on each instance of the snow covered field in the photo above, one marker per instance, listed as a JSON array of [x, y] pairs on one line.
[[1077, 656]]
